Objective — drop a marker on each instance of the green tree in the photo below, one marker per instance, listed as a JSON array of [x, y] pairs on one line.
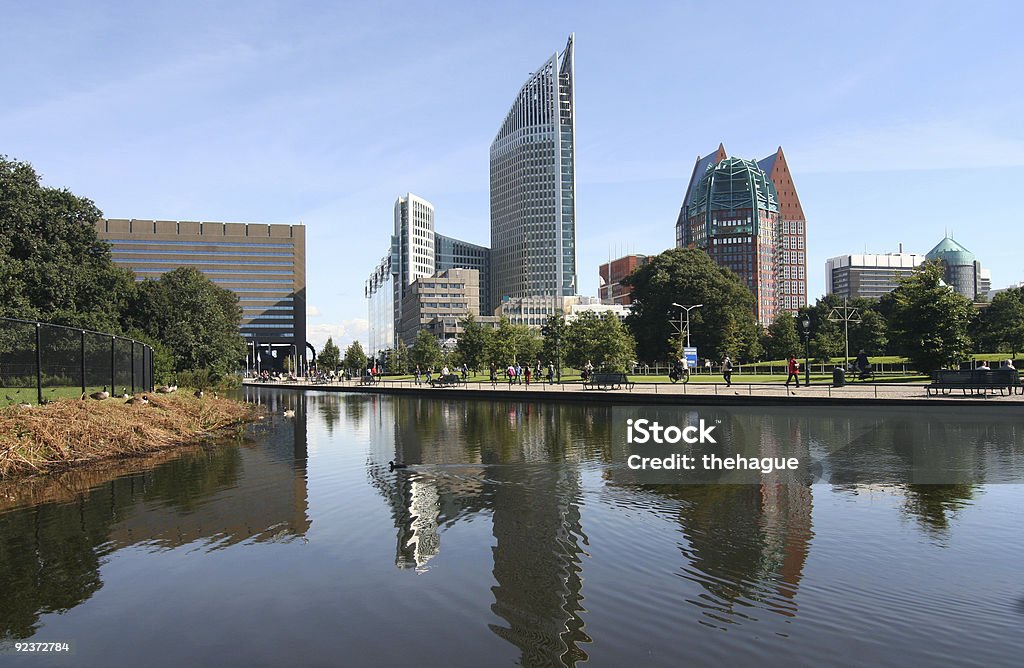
[[502, 346], [555, 334], [782, 338], [330, 356], [426, 351], [724, 325], [472, 346], [196, 319], [355, 360], [398, 360], [929, 320], [871, 334], [616, 349], [999, 326], [52, 265]]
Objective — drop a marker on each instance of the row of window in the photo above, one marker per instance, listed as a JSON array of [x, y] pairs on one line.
[[199, 244]]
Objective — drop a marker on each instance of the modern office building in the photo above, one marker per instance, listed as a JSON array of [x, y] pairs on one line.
[[533, 188], [445, 298], [452, 253], [963, 271], [380, 297], [610, 275], [265, 265], [417, 251], [747, 216], [868, 275]]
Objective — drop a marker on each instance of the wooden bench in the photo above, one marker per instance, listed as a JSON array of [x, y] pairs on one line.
[[369, 380], [603, 380], [976, 381], [451, 380]]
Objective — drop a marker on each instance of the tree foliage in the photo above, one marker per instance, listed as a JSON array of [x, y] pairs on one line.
[[724, 325], [52, 265], [330, 356], [472, 346], [601, 340], [929, 320], [782, 339], [194, 318], [512, 344], [398, 360], [1000, 326], [355, 360], [426, 351]]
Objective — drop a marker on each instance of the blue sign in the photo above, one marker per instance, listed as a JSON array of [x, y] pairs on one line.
[[690, 355]]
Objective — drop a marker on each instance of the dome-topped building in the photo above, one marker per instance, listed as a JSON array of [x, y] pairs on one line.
[[963, 271]]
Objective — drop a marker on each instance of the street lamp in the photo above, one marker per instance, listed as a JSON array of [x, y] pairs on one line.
[[687, 309], [807, 349]]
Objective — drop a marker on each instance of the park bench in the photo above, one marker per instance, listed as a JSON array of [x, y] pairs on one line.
[[369, 380], [976, 381], [450, 380], [603, 380]]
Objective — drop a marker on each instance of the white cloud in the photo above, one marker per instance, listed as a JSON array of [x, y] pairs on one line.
[[343, 333], [312, 311]]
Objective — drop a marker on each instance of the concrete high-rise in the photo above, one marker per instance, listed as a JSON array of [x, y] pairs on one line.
[[265, 265], [747, 216], [868, 275], [533, 188]]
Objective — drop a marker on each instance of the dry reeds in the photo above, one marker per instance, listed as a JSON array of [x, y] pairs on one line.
[[63, 434]]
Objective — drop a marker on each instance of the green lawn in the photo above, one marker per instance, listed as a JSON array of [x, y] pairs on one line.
[[28, 395]]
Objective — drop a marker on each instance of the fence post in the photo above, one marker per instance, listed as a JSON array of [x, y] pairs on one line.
[[39, 366], [83, 361], [133, 367], [113, 364]]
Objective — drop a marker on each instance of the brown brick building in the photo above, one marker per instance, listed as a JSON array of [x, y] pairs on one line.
[[610, 275]]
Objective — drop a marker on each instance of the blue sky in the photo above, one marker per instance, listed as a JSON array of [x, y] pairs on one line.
[[899, 120]]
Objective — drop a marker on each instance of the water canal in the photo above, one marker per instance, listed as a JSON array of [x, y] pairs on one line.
[[516, 537]]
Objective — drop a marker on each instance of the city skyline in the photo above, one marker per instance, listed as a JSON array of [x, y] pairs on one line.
[[284, 117]]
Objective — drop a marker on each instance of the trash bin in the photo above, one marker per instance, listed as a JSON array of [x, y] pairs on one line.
[[838, 377]]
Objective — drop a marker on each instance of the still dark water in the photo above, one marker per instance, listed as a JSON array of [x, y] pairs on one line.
[[512, 539]]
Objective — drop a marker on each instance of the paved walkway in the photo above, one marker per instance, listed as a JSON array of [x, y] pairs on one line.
[[704, 393]]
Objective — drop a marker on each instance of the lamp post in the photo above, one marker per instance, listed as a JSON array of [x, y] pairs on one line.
[[687, 309], [807, 349]]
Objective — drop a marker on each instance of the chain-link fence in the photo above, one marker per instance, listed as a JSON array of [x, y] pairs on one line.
[[40, 362]]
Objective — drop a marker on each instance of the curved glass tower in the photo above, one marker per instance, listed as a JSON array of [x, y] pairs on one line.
[[533, 188]]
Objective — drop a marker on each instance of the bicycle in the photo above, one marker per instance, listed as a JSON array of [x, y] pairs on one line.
[[676, 375]]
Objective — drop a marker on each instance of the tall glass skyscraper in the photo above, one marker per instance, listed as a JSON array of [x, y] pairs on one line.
[[533, 188]]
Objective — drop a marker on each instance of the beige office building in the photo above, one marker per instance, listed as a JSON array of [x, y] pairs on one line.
[[438, 302], [265, 265]]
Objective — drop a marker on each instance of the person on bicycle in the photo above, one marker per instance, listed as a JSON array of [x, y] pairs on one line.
[[863, 365], [678, 370]]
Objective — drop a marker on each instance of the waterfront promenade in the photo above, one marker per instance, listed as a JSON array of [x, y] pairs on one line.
[[693, 393]]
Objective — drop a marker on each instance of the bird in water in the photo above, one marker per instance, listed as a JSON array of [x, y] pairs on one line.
[[392, 466], [289, 412], [99, 396], [138, 400]]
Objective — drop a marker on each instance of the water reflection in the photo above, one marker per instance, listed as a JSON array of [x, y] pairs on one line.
[[515, 534], [213, 496]]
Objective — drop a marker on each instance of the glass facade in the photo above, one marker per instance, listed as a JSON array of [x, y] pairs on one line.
[[455, 254], [380, 295], [533, 188]]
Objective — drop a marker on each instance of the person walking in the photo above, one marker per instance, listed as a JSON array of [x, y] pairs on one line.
[[727, 370], [793, 367], [519, 374], [551, 373], [511, 373], [528, 373], [416, 374]]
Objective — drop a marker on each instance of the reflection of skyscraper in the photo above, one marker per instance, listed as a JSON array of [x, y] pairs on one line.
[[533, 188]]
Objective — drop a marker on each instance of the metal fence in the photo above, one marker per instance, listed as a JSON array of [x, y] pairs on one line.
[[40, 362]]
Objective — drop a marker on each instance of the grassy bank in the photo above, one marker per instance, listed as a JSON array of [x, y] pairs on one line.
[[63, 434]]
